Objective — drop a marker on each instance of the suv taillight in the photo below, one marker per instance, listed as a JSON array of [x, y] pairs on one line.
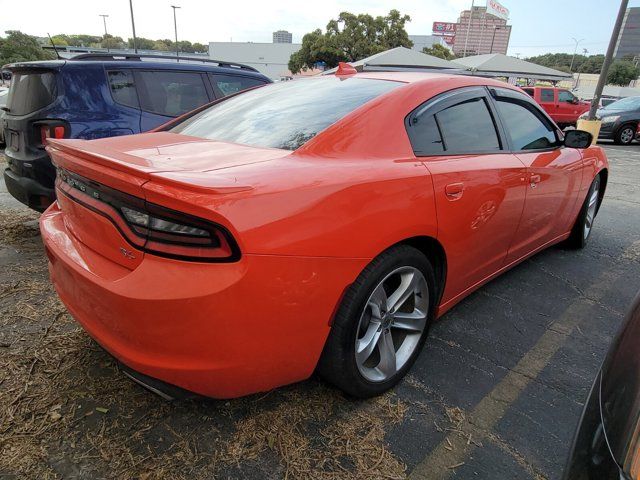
[[51, 129]]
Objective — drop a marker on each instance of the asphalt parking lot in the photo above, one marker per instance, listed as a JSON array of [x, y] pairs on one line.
[[496, 394]]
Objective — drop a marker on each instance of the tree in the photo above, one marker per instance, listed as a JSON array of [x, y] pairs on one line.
[[439, 51], [20, 47], [349, 38], [622, 72], [109, 41], [562, 61]]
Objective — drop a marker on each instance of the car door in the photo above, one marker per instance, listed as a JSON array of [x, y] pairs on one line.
[[568, 107], [125, 97], [478, 184], [166, 94], [554, 173]]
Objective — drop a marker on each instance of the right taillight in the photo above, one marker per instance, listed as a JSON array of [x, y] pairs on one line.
[[152, 228]]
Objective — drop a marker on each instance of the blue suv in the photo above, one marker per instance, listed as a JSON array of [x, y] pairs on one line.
[[94, 96]]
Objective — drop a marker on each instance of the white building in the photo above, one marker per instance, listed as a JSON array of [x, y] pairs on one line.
[[271, 59], [422, 41]]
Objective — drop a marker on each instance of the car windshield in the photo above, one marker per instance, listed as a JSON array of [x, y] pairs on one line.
[[283, 115], [629, 103]]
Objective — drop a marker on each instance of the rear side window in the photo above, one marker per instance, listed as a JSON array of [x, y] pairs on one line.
[[528, 91], [123, 88], [171, 93], [468, 127], [228, 84], [546, 95], [31, 91], [525, 127], [283, 115]]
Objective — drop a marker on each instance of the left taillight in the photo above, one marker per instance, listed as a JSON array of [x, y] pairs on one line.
[[150, 227], [51, 129]]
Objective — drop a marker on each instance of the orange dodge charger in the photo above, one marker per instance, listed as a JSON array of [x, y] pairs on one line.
[[314, 225]]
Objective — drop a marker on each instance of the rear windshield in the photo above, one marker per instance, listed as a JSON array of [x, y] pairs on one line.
[[31, 91], [283, 115]]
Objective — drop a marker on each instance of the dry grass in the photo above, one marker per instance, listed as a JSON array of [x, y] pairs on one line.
[[66, 410]]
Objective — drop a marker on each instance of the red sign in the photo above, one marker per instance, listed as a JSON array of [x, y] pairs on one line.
[[444, 28], [449, 39]]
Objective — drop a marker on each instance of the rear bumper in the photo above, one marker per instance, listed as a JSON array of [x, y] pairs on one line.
[[28, 191], [220, 330]]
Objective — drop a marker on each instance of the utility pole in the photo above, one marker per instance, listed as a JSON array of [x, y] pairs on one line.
[[574, 52], [496, 27], [133, 27], [104, 20], [175, 27], [466, 38], [607, 60]]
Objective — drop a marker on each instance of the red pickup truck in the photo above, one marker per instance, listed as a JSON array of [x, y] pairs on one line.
[[561, 105]]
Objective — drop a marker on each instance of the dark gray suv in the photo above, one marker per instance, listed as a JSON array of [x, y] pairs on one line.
[[619, 120]]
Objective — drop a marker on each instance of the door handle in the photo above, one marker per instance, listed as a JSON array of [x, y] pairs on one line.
[[454, 190], [534, 179]]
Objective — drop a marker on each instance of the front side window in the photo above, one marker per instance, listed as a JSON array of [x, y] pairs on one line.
[[566, 96], [228, 84], [123, 88], [525, 127], [171, 93], [468, 127], [283, 115], [546, 95], [31, 91]]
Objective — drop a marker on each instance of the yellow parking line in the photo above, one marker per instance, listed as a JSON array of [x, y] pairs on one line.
[[442, 460]]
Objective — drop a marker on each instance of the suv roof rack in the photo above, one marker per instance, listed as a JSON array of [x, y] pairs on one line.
[[140, 56]]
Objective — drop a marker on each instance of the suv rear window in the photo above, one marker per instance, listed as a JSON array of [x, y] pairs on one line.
[[228, 84], [283, 115], [31, 91]]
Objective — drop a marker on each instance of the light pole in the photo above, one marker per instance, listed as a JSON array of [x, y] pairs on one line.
[[574, 52], [466, 38], [104, 20], [607, 60], [133, 27], [175, 27], [496, 27]]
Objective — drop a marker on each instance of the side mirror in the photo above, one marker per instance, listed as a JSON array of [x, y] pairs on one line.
[[577, 139]]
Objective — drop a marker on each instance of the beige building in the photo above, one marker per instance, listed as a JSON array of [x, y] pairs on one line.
[[486, 33]]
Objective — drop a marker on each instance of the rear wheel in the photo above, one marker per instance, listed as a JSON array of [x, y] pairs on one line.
[[381, 324], [584, 223], [625, 135]]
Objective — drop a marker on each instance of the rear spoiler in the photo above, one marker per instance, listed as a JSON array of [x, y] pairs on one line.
[[197, 182]]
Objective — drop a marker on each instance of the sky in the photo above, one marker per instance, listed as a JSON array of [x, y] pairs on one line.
[[539, 26]]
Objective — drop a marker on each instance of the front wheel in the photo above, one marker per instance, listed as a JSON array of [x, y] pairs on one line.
[[625, 135], [382, 323], [584, 223]]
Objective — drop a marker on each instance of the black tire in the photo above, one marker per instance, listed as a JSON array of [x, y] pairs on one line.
[[337, 363], [578, 237], [625, 134]]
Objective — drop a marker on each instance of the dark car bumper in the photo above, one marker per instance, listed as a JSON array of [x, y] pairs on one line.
[[29, 191], [30, 178], [608, 130]]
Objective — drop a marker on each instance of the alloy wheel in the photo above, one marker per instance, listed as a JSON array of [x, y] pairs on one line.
[[392, 322], [627, 135], [591, 209]]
